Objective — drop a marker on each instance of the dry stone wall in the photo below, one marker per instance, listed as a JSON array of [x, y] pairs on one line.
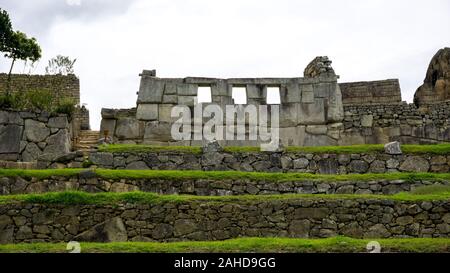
[[89, 182], [371, 124], [27, 136], [61, 86], [371, 92], [197, 220], [274, 162]]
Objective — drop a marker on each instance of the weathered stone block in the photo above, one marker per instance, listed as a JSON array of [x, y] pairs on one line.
[[36, 131], [316, 129], [129, 128], [415, 164], [311, 113], [147, 112], [187, 89], [58, 122], [150, 91], [107, 125], [187, 100], [159, 131], [10, 136]]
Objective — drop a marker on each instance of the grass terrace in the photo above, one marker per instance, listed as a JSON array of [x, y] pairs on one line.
[[438, 149], [221, 175], [246, 245], [82, 198]]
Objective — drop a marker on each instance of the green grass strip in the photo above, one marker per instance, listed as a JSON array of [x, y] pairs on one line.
[[222, 175], [246, 245], [439, 149], [83, 198]]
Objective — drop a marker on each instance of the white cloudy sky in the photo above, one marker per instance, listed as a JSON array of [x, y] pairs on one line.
[[114, 40]]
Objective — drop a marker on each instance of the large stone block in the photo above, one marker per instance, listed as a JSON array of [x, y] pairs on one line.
[[335, 111], [158, 131], [150, 91], [112, 230], [7, 117], [307, 93], [36, 131], [107, 125], [58, 122], [187, 89], [322, 90], [164, 113], [10, 136], [220, 88], [292, 94], [58, 144], [187, 100], [31, 153], [292, 136], [129, 128], [147, 111], [312, 113], [254, 91], [289, 115]]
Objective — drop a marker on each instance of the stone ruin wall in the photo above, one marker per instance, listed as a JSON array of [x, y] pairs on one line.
[[311, 108], [168, 221], [61, 86], [371, 92], [315, 110], [26, 136], [369, 112]]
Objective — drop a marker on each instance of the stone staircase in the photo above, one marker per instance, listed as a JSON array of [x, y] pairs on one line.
[[86, 140]]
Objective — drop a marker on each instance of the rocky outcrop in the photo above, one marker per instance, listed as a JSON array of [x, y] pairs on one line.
[[436, 86]]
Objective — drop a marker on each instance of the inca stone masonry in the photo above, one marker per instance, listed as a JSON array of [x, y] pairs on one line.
[[315, 110]]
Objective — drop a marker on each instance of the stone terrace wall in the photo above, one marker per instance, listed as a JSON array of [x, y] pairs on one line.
[[60, 85], [25, 136], [205, 187], [371, 92], [370, 124], [274, 162], [198, 220]]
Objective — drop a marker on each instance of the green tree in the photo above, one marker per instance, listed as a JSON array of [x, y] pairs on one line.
[[5, 30], [62, 65], [16, 45]]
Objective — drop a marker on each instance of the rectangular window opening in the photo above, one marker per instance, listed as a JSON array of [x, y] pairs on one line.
[[204, 94], [273, 95], [239, 95]]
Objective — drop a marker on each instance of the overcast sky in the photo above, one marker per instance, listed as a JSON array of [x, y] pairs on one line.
[[114, 41]]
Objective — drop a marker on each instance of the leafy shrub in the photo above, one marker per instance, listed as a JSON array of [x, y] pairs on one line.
[[12, 101], [65, 106], [40, 100]]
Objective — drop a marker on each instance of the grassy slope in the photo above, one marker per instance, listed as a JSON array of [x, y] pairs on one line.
[[74, 197], [222, 175], [442, 149], [246, 245]]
